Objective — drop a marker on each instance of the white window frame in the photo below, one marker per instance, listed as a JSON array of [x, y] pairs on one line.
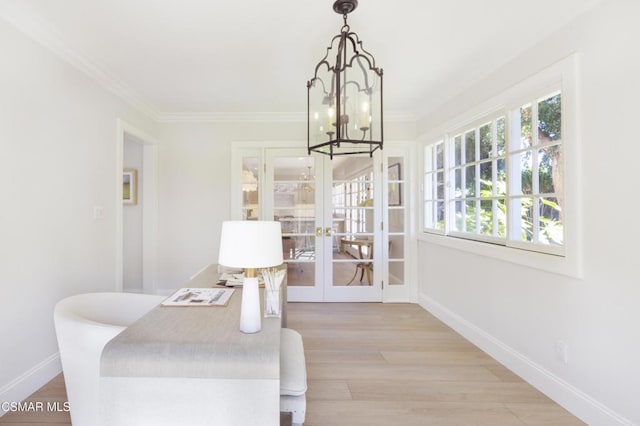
[[432, 187], [566, 260]]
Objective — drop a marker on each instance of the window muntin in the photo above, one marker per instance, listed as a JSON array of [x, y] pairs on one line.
[[505, 178], [434, 187]]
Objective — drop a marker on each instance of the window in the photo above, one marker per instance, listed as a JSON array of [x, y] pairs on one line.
[[501, 178]]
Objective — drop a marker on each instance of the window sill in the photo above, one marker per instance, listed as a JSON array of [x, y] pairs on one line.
[[568, 265]]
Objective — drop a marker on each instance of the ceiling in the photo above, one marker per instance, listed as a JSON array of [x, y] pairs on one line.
[[195, 57]]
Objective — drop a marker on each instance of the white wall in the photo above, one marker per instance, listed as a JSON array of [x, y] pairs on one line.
[[57, 161], [132, 220], [194, 181], [517, 313]]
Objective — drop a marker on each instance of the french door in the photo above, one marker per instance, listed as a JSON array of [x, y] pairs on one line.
[[343, 220], [327, 214]]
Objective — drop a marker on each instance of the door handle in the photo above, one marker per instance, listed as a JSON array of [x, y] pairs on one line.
[[319, 231], [327, 231]]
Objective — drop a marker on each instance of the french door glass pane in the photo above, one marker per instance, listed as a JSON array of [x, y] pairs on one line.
[[396, 247], [353, 273], [353, 214], [396, 219], [250, 189], [301, 274], [396, 272], [294, 208]]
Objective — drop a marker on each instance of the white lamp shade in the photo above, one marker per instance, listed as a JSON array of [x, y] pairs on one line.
[[250, 244]]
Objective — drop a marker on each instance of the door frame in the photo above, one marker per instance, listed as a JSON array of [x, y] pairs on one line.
[[149, 188]]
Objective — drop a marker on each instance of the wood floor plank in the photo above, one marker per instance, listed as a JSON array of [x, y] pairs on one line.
[[400, 372], [444, 391], [355, 357], [328, 390], [439, 358], [407, 413], [548, 414]]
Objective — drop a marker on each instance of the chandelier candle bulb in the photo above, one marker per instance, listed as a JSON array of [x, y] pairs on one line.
[[364, 117]]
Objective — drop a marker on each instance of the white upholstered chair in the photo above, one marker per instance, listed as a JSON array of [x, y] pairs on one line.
[[84, 324]]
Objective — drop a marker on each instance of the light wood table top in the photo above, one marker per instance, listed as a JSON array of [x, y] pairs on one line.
[[201, 342]]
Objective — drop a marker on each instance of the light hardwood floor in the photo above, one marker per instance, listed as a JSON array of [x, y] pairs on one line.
[[395, 364], [387, 364]]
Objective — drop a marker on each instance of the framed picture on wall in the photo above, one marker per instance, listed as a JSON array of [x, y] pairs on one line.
[[129, 186], [395, 187]]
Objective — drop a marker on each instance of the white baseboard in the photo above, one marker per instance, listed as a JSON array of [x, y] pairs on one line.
[[27, 383], [565, 394]]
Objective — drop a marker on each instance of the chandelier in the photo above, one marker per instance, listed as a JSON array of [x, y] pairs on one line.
[[344, 98]]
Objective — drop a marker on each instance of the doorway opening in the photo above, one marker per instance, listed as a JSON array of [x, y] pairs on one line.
[[136, 210]]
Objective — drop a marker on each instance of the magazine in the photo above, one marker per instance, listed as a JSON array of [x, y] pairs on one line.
[[200, 297]]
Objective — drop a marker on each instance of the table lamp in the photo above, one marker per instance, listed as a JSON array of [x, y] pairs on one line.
[[250, 245]]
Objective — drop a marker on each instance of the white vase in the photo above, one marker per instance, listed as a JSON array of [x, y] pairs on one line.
[[250, 308]]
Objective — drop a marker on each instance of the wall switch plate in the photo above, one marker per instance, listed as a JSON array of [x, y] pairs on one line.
[[98, 212], [562, 352]]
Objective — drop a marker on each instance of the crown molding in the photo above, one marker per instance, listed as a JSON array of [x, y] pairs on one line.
[[44, 35], [231, 117], [257, 117]]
